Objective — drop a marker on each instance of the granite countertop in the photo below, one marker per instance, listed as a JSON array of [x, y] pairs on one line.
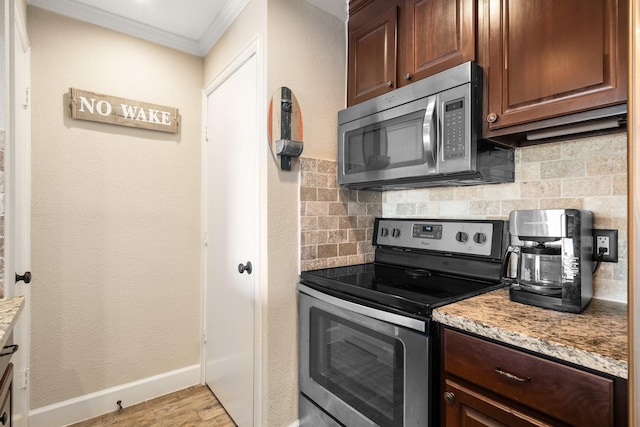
[[10, 308], [595, 338]]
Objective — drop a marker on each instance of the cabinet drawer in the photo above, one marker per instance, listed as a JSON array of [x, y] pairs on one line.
[[4, 360], [6, 396], [570, 395]]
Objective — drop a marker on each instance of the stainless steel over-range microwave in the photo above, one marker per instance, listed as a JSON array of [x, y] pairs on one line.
[[425, 134]]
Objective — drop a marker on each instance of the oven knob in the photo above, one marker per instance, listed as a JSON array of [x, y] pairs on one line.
[[384, 232], [480, 238], [395, 232], [462, 237]]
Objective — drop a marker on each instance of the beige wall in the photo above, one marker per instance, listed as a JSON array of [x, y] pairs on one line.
[[116, 214], [307, 53], [305, 50], [250, 23], [587, 173]]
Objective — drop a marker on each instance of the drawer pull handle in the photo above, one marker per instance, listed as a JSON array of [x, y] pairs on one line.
[[8, 350], [511, 376]]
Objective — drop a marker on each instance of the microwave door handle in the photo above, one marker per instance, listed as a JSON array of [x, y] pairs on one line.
[[429, 132]]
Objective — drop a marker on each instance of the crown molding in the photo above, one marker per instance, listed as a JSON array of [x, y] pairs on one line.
[[220, 23], [121, 24]]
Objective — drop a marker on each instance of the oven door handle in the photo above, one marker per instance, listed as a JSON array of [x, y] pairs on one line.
[[383, 316]]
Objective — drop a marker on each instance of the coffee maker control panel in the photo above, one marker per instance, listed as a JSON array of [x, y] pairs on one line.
[[460, 237]]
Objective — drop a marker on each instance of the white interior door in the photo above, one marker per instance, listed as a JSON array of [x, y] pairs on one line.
[[17, 207], [231, 218]]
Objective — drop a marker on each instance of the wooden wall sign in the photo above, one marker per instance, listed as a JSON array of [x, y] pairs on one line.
[[96, 107]]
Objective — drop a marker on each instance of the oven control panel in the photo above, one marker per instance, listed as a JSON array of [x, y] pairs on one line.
[[427, 231], [463, 237]]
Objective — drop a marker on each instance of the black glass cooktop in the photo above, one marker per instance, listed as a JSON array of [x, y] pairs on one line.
[[407, 290]]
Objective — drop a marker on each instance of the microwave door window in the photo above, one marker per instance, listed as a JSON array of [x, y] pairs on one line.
[[391, 144], [354, 152], [374, 149], [406, 146], [365, 150]]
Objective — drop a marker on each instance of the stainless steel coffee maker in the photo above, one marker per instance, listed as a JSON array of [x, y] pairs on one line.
[[553, 252]]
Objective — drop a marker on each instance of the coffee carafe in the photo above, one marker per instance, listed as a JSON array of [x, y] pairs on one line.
[[552, 251]]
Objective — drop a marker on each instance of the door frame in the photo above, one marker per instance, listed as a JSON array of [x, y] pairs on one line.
[[255, 47], [18, 206], [633, 213]]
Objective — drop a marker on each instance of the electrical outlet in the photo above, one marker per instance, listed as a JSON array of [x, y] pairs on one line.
[[608, 241], [602, 242]]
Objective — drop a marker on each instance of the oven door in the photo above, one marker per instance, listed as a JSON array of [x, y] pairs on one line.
[[360, 366]]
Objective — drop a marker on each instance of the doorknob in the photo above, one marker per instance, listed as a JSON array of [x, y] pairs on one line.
[[26, 277], [247, 267]]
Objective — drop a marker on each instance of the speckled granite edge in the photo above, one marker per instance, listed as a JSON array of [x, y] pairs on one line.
[[9, 311], [596, 352]]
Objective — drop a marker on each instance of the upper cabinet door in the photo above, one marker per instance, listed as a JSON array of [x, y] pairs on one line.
[[440, 34], [549, 58], [372, 55]]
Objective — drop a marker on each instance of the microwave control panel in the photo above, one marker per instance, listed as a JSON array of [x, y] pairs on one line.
[[453, 126]]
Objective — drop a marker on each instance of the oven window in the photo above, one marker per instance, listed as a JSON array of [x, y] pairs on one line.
[[362, 367]]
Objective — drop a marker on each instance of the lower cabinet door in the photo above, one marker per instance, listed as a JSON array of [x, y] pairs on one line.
[[6, 395], [467, 407]]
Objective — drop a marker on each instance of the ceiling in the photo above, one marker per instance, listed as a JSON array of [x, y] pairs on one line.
[[191, 26]]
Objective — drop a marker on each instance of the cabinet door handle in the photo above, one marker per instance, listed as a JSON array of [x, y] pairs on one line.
[[407, 76], [8, 350], [4, 418], [449, 397], [511, 376], [389, 83], [492, 117]]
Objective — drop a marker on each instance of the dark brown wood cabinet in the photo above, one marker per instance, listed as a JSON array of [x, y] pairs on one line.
[[6, 381], [546, 58], [542, 60], [439, 34], [6, 396], [394, 43], [372, 51], [489, 384], [469, 407]]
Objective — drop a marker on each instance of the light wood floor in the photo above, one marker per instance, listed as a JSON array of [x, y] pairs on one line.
[[193, 406]]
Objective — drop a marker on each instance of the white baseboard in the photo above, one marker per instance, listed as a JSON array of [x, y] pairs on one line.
[[104, 401], [294, 424]]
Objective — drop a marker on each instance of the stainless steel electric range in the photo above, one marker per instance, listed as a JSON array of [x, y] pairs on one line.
[[366, 344]]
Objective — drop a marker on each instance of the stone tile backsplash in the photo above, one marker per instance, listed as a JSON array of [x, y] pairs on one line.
[[335, 223], [587, 173]]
